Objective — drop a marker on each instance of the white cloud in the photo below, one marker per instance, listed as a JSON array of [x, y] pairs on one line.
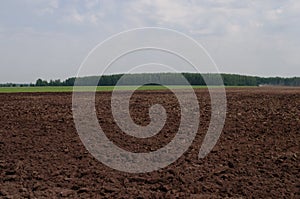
[[74, 17], [44, 7], [90, 4]]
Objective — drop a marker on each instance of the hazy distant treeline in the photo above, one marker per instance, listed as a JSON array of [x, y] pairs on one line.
[[169, 79]]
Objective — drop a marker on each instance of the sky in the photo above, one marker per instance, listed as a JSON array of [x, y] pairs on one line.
[[49, 39]]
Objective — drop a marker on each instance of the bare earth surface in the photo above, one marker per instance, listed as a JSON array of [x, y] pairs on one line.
[[257, 155]]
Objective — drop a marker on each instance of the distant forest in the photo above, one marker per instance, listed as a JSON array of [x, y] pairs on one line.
[[167, 79]]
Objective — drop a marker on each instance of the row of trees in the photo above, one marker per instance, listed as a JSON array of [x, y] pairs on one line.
[[16, 85], [58, 82], [168, 79], [173, 79]]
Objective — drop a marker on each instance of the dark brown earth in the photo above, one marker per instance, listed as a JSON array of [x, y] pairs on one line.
[[256, 156]]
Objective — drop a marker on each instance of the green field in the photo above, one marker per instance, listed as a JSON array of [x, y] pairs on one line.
[[83, 88]]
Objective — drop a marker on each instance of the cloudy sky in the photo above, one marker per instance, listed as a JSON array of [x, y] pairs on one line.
[[50, 38]]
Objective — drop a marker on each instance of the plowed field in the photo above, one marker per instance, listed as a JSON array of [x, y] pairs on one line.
[[257, 155]]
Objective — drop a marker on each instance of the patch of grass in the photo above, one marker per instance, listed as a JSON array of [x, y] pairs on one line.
[[36, 89], [87, 88], [82, 88]]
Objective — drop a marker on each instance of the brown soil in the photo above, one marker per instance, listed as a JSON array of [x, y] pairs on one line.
[[257, 154]]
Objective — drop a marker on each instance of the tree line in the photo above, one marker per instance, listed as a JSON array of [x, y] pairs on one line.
[[167, 79]]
